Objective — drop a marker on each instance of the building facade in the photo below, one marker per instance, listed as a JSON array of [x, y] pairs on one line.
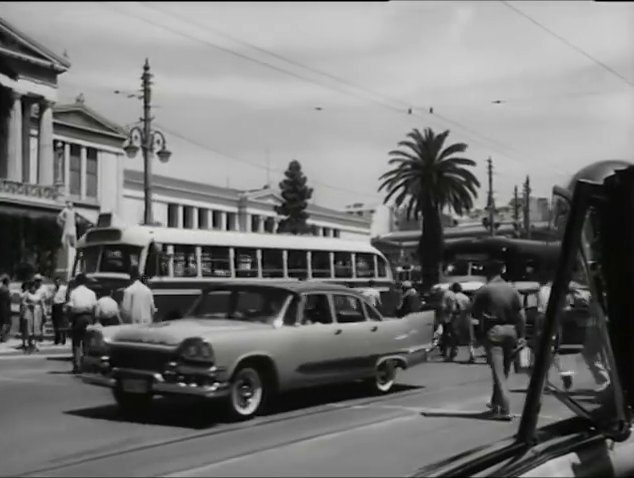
[[49, 154], [191, 205]]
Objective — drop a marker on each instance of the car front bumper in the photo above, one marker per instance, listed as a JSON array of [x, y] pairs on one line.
[[211, 383]]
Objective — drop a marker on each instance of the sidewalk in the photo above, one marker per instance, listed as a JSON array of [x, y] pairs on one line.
[[13, 347]]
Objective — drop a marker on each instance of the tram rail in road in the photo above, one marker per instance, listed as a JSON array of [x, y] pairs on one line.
[[137, 454]]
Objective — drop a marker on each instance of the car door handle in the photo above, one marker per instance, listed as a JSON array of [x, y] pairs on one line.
[[375, 328], [338, 331]]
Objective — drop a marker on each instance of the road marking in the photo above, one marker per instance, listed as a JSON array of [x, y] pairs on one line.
[[324, 436]]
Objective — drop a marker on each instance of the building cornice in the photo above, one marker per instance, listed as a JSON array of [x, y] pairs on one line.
[[55, 61]]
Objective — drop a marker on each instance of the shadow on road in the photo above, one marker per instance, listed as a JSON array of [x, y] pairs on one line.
[[61, 358], [199, 414], [484, 415]]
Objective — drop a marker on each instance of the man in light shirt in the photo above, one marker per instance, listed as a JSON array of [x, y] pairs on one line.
[[81, 305], [107, 312], [137, 306], [373, 295], [57, 314]]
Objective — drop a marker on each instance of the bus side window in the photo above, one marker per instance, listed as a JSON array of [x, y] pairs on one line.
[[365, 265], [215, 261], [272, 263], [157, 263], [246, 262], [185, 261], [382, 271], [298, 264], [321, 264], [343, 264]]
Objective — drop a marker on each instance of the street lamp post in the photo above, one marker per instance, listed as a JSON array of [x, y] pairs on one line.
[[149, 142]]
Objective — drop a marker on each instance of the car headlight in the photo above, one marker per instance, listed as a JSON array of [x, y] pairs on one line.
[[196, 350], [95, 344]]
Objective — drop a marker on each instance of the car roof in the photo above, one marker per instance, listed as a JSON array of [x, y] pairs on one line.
[[296, 287]]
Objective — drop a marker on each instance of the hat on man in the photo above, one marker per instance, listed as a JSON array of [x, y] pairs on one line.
[[38, 277], [407, 284]]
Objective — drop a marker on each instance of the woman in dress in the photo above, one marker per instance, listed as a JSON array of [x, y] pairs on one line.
[[33, 307]]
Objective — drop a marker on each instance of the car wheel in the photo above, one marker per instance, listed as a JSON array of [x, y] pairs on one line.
[[247, 393], [132, 403], [384, 377]]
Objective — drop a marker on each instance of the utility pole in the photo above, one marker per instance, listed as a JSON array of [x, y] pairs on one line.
[[527, 210], [146, 146], [516, 210], [490, 203], [150, 142]]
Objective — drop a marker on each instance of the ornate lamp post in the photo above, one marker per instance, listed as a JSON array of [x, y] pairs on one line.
[[150, 142]]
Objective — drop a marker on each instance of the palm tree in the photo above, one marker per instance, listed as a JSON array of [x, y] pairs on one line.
[[428, 177]]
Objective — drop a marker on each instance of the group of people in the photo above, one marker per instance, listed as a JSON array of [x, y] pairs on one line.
[[500, 314], [33, 311], [71, 313], [84, 309]]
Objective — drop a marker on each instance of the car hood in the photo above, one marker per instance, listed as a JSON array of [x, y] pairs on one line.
[[174, 332]]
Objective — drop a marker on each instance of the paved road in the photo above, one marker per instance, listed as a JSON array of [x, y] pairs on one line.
[[53, 425]]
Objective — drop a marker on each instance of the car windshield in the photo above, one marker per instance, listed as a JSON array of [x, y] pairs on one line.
[[249, 304], [117, 258], [582, 370]]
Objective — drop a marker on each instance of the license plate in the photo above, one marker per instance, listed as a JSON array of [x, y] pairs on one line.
[[135, 385]]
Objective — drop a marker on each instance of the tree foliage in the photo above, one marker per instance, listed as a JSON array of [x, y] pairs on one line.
[[296, 194], [427, 177]]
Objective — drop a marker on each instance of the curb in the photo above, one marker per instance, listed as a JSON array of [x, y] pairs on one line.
[[44, 352]]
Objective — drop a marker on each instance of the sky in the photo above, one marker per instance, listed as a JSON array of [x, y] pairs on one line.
[[241, 89]]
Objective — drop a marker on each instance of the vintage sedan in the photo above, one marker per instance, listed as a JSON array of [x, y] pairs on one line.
[[246, 341]]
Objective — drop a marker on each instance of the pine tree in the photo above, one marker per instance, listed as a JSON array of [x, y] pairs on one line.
[[295, 194]]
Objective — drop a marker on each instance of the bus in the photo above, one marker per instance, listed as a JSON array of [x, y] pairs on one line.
[[179, 262], [525, 260]]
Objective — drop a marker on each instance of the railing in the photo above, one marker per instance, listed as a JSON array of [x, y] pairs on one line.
[[30, 190]]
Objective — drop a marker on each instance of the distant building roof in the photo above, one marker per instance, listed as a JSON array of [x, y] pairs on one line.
[[265, 195]]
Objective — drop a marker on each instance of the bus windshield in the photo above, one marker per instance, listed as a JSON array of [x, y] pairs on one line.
[[113, 258], [523, 260]]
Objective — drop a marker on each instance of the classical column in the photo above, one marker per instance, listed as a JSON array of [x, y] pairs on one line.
[[27, 104], [14, 143], [67, 167], [45, 144], [210, 217], [83, 160], [194, 211], [223, 221], [179, 216], [261, 224]]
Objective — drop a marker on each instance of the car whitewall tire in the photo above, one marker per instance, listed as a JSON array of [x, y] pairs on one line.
[[247, 393], [385, 376]]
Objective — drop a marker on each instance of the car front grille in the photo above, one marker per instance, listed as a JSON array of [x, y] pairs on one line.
[[140, 358]]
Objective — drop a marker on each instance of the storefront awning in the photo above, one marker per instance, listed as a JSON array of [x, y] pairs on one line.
[[31, 211]]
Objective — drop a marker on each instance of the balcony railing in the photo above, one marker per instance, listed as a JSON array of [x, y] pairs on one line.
[[8, 186]]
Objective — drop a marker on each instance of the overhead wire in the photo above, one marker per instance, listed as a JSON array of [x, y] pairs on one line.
[[406, 109], [252, 163], [411, 111], [386, 100], [568, 43]]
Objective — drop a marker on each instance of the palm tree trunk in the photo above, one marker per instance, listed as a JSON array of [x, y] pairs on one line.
[[430, 246]]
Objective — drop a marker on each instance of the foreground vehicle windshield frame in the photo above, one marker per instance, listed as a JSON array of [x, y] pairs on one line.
[[584, 196]]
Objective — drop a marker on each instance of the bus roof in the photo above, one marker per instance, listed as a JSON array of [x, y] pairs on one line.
[[519, 245], [143, 235]]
